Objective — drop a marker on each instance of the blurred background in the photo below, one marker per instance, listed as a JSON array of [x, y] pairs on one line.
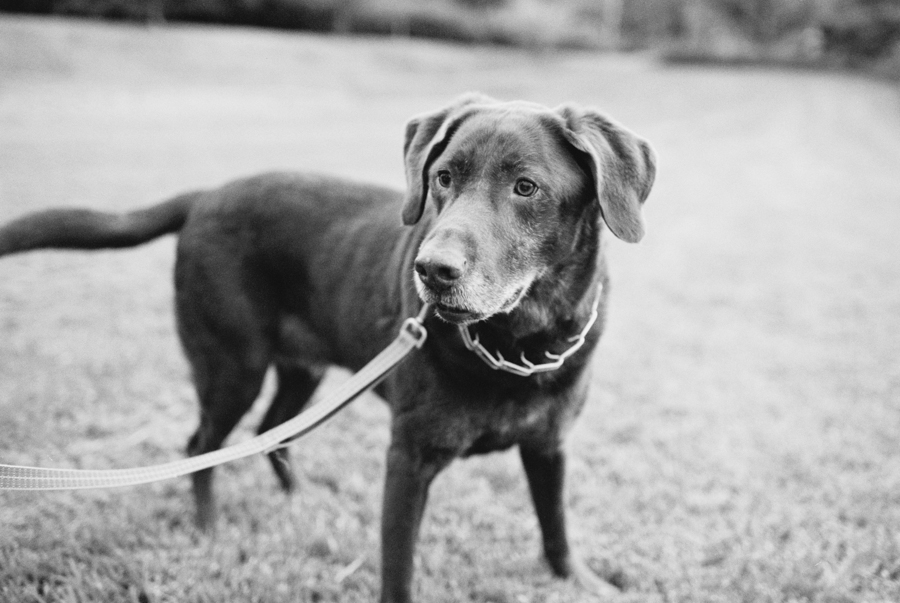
[[740, 443], [809, 32]]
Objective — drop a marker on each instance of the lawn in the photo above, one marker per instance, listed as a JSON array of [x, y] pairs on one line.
[[742, 440]]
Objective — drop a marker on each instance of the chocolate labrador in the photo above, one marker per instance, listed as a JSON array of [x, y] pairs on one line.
[[502, 232]]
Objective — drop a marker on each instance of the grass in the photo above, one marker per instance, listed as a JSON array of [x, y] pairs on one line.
[[740, 444]]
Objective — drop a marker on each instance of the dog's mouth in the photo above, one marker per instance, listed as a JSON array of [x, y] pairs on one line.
[[460, 315], [456, 314], [454, 307], [460, 306]]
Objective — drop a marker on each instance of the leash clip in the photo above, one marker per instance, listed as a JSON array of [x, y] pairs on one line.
[[413, 326]]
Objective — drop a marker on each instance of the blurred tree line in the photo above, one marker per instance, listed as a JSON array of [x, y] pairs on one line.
[[848, 31]]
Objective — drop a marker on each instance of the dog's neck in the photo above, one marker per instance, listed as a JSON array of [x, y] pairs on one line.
[[559, 302]]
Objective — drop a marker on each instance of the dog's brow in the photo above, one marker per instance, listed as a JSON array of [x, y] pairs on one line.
[[516, 164], [460, 163]]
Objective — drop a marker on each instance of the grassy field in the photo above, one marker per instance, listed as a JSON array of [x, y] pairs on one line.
[[742, 442]]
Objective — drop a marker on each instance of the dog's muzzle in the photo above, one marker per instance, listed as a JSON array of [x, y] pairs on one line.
[[439, 275]]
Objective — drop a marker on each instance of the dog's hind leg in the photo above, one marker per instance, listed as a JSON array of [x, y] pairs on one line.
[[227, 387], [225, 316], [296, 385]]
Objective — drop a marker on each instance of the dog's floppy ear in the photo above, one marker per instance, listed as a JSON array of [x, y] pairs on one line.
[[426, 137], [623, 166]]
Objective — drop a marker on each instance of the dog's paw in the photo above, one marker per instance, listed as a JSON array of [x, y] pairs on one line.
[[605, 588], [205, 522]]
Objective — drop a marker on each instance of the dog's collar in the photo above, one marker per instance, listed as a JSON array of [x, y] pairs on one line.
[[528, 368]]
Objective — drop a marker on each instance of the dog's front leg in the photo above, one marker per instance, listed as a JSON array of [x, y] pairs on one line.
[[405, 493], [545, 470], [546, 476]]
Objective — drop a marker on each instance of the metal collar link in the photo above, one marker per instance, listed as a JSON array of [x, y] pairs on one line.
[[528, 368]]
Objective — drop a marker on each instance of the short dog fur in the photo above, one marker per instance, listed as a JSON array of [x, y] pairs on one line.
[[502, 230]]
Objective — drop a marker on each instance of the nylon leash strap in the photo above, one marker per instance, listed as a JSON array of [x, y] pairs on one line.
[[412, 336]]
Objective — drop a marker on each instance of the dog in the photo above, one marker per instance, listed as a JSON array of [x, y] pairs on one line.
[[503, 227]]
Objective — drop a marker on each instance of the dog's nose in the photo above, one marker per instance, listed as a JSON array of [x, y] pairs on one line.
[[440, 272]]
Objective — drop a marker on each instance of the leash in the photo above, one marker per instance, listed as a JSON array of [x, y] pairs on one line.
[[412, 336]]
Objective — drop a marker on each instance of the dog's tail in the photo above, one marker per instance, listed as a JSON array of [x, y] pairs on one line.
[[89, 229]]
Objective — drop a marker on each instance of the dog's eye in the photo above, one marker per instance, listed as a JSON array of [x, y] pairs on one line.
[[525, 187], [443, 178]]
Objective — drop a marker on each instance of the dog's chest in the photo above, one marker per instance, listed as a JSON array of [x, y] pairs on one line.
[[456, 413], [500, 424]]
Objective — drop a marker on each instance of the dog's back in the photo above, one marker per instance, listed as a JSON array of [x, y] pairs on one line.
[[315, 256]]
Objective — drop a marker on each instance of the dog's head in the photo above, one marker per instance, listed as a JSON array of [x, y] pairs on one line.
[[511, 183]]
